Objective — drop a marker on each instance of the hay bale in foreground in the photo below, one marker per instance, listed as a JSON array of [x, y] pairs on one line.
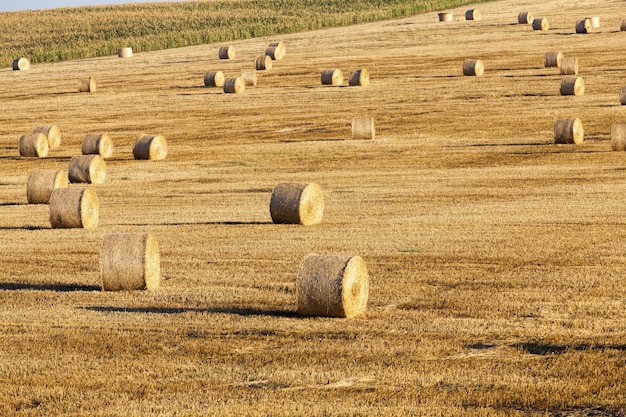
[[249, 78], [87, 169], [622, 95], [87, 85], [21, 64], [130, 261], [263, 62], [363, 127], [525, 18], [125, 52], [583, 26], [569, 66], [473, 14], [41, 183], [234, 85], [572, 85], [296, 203], [359, 77], [226, 52], [73, 208], [276, 50], [473, 67], [97, 144], [34, 145], [569, 131], [151, 147], [332, 286], [618, 137], [214, 79], [553, 59], [446, 16], [332, 76], [541, 23], [52, 132]]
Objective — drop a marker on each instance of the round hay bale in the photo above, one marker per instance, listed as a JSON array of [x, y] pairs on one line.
[[249, 78], [595, 22], [569, 131], [472, 14], [34, 145], [130, 261], [363, 127], [332, 76], [622, 95], [214, 79], [226, 52], [572, 85], [525, 18], [276, 50], [87, 85], [296, 203], [332, 286], [473, 67], [569, 66], [618, 137], [553, 59], [583, 26], [73, 208], [97, 144], [53, 133], [263, 62], [152, 147], [446, 16], [88, 169], [41, 183], [235, 85], [359, 77], [125, 52], [541, 23], [21, 64], [623, 25]]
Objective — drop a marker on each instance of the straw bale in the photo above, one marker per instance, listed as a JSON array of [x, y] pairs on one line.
[[525, 18], [263, 62], [473, 67], [41, 183], [569, 131], [553, 59], [595, 22], [623, 25], [88, 169], [622, 95], [332, 286], [359, 77], [363, 127], [34, 145], [21, 64], [446, 16], [125, 52], [472, 14], [583, 26], [97, 144], [235, 85], [52, 132], [618, 137], [226, 52], [541, 23], [249, 77], [130, 261], [152, 147], [569, 66], [87, 85], [214, 79], [73, 208], [572, 85], [332, 76], [276, 50], [296, 203]]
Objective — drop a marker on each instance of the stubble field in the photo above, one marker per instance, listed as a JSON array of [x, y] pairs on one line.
[[496, 257]]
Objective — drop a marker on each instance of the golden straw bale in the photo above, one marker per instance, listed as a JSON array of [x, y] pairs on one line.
[[53, 133], [214, 79], [125, 52], [87, 85], [226, 52], [541, 23], [332, 286], [569, 131], [249, 77], [276, 50], [553, 59], [583, 26], [525, 18], [572, 85], [235, 85], [88, 169], [263, 62], [359, 77], [73, 208], [569, 66], [130, 261], [472, 14], [446, 16], [623, 25], [152, 147], [363, 127], [34, 145], [296, 203], [97, 144], [595, 21], [622, 95], [41, 183], [473, 67], [618, 137], [332, 76], [21, 64]]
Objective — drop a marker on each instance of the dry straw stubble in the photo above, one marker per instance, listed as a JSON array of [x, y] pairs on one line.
[[541, 23], [473, 14], [21, 64], [473, 67], [41, 183], [332, 286], [568, 131], [363, 127], [332, 76], [525, 18], [88, 169], [34, 145], [553, 59], [130, 261], [97, 144], [73, 208], [572, 85], [569, 66], [234, 85], [618, 137], [214, 79], [52, 132], [360, 77], [297, 203], [263, 62], [150, 147]]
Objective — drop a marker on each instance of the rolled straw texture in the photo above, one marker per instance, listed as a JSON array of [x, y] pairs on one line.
[[87, 85], [88, 169], [446, 16], [618, 137], [622, 95], [332, 286], [572, 85], [472, 14], [623, 25], [473, 67], [263, 62], [363, 127], [152, 147], [214, 79], [53, 133], [73, 208], [249, 78], [553, 59], [34, 145], [525, 18], [332, 76], [359, 77], [130, 261], [125, 52], [296, 203], [234, 85], [226, 52], [97, 144], [569, 66], [595, 22], [569, 131], [583, 26], [21, 64], [276, 50], [41, 183], [541, 23]]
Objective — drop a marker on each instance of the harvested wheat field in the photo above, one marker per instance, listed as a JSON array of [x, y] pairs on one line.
[[496, 257]]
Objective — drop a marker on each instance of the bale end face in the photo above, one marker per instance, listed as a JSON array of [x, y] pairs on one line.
[[473, 67], [584, 26], [263, 62], [234, 85], [360, 77], [88, 169], [568, 131], [97, 144], [21, 64], [226, 52], [150, 147], [214, 79], [34, 145], [52, 132], [473, 14], [553, 59], [73, 208], [525, 18], [332, 76], [130, 262], [296, 203], [572, 86], [541, 24]]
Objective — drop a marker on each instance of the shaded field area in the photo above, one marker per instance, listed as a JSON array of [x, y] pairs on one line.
[[495, 256]]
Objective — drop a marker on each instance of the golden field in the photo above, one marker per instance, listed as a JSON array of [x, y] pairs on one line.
[[496, 257]]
